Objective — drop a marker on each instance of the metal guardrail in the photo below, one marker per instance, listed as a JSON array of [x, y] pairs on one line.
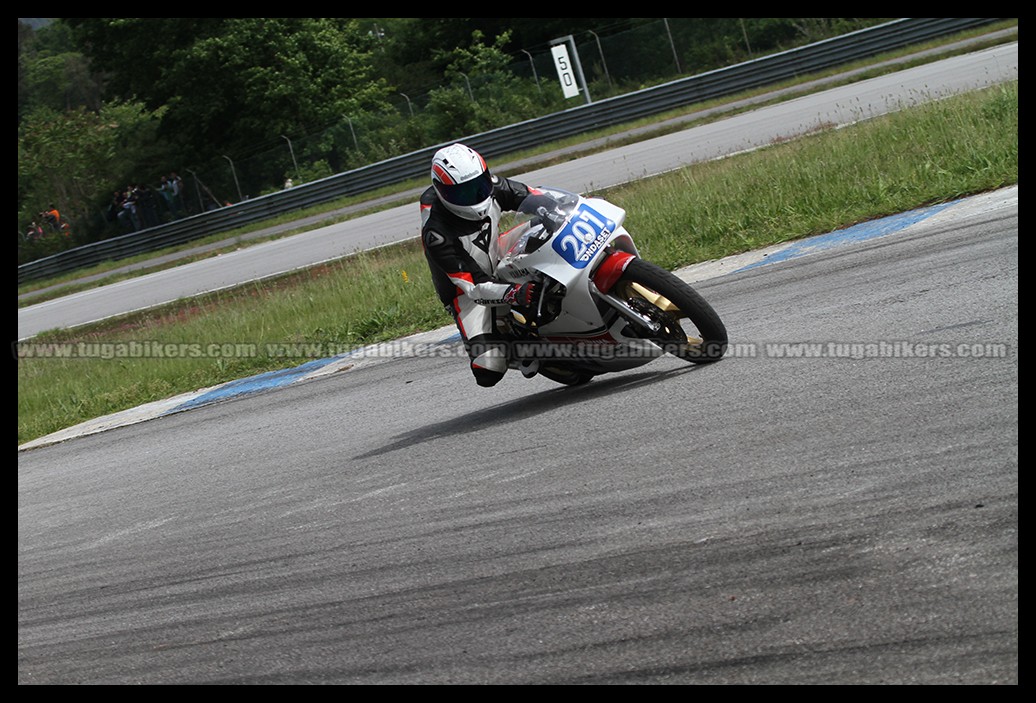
[[577, 120]]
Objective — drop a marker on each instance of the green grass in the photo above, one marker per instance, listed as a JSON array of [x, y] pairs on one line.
[[699, 113], [932, 153]]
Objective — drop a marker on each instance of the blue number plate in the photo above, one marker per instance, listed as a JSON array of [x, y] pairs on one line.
[[584, 235]]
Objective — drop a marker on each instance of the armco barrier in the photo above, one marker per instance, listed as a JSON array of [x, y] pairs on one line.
[[577, 120]]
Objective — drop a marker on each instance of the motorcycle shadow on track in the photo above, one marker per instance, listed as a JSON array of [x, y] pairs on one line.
[[490, 419]]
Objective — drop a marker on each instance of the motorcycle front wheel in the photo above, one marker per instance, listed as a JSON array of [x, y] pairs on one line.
[[688, 327]]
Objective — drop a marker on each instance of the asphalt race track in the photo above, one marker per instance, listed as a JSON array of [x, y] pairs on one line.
[[834, 503]]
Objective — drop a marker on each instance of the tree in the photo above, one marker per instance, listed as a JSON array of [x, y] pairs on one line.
[[235, 85], [133, 53], [193, 94], [70, 158], [482, 94], [51, 73]]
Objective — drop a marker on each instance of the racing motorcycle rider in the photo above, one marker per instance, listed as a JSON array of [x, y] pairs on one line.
[[460, 213]]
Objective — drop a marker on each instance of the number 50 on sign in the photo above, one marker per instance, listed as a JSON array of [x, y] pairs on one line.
[[565, 74]]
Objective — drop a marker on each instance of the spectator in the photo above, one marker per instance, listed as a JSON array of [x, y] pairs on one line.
[[177, 191], [53, 218], [165, 190], [147, 206], [128, 213], [35, 232], [115, 207]]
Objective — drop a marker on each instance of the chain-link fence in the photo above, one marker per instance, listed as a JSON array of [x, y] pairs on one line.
[[612, 64]]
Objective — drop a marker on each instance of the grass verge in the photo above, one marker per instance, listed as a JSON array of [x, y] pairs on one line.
[[108, 272], [932, 153]]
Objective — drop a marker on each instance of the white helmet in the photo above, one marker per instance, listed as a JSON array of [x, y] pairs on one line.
[[462, 181]]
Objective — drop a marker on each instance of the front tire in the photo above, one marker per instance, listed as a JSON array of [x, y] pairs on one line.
[[689, 328]]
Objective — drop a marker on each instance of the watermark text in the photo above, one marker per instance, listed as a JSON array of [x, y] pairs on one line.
[[604, 349]]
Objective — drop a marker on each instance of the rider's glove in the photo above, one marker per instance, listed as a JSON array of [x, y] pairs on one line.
[[552, 220], [524, 296]]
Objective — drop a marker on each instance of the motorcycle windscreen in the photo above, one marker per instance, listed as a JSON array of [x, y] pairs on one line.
[[512, 242]]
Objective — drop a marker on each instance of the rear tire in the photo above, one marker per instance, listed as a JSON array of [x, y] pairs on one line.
[[690, 328]]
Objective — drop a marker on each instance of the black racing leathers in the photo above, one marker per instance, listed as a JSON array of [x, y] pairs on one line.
[[458, 250], [458, 257]]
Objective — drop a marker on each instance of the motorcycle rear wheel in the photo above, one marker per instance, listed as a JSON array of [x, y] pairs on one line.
[[689, 327]]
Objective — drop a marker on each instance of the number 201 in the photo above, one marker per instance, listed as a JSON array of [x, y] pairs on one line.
[[583, 231]]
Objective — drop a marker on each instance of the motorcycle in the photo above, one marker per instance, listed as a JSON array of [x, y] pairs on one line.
[[602, 308]]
